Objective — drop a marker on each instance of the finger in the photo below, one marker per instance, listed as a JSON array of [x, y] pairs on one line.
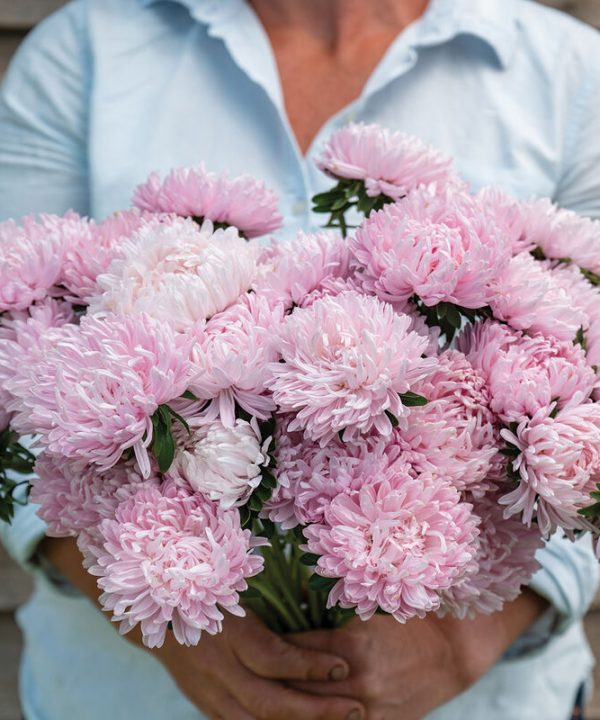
[[224, 707], [274, 702], [267, 700], [272, 656]]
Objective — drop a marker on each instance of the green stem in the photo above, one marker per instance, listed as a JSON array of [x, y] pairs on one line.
[[281, 570], [271, 597]]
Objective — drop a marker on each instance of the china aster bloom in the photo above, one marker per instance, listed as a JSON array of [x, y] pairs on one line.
[[441, 248], [310, 475], [395, 545], [75, 497], [172, 557], [528, 297], [177, 273], [94, 249], [92, 391], [453, 436], [525, 374], [346, 360], [31, 258], [232, 357], [558, 464], [242, 202], [505, 558], [20, 336], [390, 163], [518, 227], [292, 271], [223, 463], [584, 295]]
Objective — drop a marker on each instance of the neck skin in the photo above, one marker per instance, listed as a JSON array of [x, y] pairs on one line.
[[337, 24], [327, 49]]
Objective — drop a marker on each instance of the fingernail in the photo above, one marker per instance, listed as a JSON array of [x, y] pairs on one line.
[[354, 715], [340, 672]]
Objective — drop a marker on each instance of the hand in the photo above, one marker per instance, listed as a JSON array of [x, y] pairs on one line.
[[240, 673], [405, 671]]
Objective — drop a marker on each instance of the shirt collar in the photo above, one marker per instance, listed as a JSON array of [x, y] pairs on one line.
[[493, 21]]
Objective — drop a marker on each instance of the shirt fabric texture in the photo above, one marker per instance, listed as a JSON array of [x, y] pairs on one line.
[[105, 91]]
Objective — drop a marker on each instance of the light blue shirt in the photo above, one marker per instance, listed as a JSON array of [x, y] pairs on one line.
[[107, 90]]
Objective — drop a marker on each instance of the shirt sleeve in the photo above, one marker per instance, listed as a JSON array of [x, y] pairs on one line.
[[43, 159], [569, 575]]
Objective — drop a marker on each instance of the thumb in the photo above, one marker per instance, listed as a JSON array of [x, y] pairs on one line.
[[273, 656]]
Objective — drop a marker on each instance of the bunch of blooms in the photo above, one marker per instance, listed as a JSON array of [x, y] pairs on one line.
[[388, 420]]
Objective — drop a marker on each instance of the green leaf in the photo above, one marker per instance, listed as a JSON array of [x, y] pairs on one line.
[[254, 503], [453, 316], [250, 593], [178, 417], [318, 582], [163, 444], [268, 479], [309, 559], [392, 418], [263, 493], [189, 395], [411, 399], [245, 516]]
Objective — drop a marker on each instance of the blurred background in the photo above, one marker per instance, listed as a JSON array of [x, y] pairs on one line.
[[17, 17]]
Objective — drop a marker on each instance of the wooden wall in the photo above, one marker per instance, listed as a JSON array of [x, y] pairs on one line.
[[16, 17]]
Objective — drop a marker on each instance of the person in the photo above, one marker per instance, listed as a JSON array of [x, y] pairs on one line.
[[105, 91]]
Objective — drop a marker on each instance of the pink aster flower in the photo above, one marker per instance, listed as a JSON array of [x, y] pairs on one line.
[[454, 436], [177, 273], [346, 359], [390, 163], [518, 227], [584, 295], [97, 245], [310, 476], [506, 551], [396, 545], [243, 202], [528, 297], [558, 465], [441, 248], [93, 390], [232, 357], [20, 337], [30, 261], [169, 556], [75, 497], [292, 271], [223, 463], [526, 374]]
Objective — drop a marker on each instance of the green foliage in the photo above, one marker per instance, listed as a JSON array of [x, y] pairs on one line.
[[14, 460], [347, 194]]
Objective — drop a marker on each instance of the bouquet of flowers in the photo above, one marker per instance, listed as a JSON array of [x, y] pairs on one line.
[[389, 415]]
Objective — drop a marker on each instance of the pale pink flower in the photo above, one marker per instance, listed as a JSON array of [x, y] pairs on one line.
[[518, 221], [292, 271], [173, 557], [528, 297], [453, 436], [223, 463], [96, 246], [506, 560], [31, 259], [20, 336], [346, 359], [558, 465], [584, 295], [177, 273], [525, 374], [311, 476], [395, 545], [231, 359], [92, 391], [243, 202], [75, 497], [390, 163], [441, 248]]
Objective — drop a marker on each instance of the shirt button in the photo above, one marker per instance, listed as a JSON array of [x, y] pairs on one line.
[[299, 207]]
